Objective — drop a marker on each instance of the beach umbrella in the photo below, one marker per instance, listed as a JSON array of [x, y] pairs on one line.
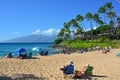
[[19, 51], [36, 49], [118, 54]]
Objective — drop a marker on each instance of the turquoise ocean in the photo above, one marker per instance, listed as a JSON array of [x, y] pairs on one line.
[[5, 48]]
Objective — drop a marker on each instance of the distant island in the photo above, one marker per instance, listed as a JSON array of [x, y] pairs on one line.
[[31, 39]]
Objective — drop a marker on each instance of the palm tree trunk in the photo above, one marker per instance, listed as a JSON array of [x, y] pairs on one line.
[[91, 30]]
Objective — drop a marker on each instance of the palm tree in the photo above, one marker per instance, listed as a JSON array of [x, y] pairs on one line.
[[118, 19], [89, 17], [66, 31], [96, 18], [112, 16], [80, 29], [74, 23], [73, 27], [118, 27], [61, 33], [102, 10], [100, 22], [108, 6], [105, 9], [79, 19], [66, 25]]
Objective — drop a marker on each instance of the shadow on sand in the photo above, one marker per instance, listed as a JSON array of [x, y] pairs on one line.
[[89, 77], [21, 77], [5, 78]]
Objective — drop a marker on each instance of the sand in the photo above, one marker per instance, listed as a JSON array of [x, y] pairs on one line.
[[106, 66]]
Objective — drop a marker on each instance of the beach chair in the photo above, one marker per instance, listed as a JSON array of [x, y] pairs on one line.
[[68, 71], [89, 70], [30, 55]]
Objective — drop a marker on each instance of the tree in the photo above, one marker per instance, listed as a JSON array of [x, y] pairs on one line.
[[89, 17], [74, 23], [79, 19], [102, 10], [118, 19], [96, 19], [108, 6], [112, 16], [80, 28], [66, 31], [73, 27], [61, 33], [118, 22], [58, 40], [118, 27]]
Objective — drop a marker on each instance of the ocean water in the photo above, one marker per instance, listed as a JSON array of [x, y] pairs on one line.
[[5, 48]]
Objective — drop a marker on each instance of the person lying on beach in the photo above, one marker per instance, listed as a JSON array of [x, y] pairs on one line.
[[9, 56], [69, 69], [44, 53], [22, 56], [83, 71]]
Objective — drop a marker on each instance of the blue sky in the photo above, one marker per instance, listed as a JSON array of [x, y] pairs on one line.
[[24, 17]]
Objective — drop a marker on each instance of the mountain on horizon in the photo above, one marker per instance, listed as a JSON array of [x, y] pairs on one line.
[[31, 38]]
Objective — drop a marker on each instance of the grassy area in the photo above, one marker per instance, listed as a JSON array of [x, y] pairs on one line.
[[89, 44]]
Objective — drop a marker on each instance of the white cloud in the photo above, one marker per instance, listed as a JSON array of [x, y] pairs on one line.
[[16, 32], [36, 32], [95, 27], [48, 32]]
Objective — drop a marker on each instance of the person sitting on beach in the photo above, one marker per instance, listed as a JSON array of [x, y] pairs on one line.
[[24, 56], [69, 69], [9, 55], [81, 51], [42, 53], [81, 72], [45, 52], [106, 50]]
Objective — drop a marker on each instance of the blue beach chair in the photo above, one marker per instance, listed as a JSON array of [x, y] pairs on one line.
[[69, 69]]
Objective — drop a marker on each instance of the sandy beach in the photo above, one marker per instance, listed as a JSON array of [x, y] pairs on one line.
[[106, 66]]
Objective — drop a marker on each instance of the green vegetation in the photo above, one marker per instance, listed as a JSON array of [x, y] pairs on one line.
[[75, 35], [88, 44]]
